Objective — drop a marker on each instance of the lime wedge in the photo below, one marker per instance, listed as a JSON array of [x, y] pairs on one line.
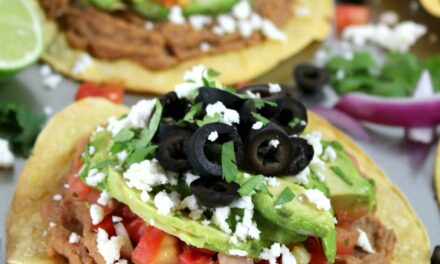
[[21, 35]]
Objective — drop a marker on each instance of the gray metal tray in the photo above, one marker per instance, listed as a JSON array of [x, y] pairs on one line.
[[395, 156]]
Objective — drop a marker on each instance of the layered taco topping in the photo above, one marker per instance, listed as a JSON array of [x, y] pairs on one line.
[[160, 34], [209, 174]]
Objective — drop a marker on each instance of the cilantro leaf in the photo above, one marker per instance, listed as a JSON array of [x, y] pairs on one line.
[[212, 73], [141, 154], [285, 196], [261, 118], [189, 117], [209, 119], [294, 122], [104, 164], [20, 126], [147, 134], [252, 185], [123, 135], [229, 164]]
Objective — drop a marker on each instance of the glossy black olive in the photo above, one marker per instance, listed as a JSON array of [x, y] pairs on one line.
[[310, 78], [169, 126], [171, 152], [214, 192], [212, 95], [264, 92], [205, 155], [174, 107], [268, 150], [302, 155], [435, 259], [292, 116]]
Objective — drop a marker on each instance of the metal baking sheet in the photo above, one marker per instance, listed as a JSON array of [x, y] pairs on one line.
[[399, 159]]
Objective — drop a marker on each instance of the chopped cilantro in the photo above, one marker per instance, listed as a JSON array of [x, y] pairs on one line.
[[209, 119], [141, 154], [338, 171], [285, 196], [147, 134], [189, 117], [255, 183], [20, 126], [212, 73], [261, 118], [294, 122], [123, 135], [229, 164], [103, 164]]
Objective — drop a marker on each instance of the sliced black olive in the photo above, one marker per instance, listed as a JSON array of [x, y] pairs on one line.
[[212, 95], [214, 192], [174, 107], [168, 126], [292, 115], [171, 152], [268, 150], [302, 155], [435, 259], [310, 78], [205, 155], [264, 92]]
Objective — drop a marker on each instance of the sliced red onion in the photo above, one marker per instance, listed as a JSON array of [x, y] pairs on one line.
[[343, 121]]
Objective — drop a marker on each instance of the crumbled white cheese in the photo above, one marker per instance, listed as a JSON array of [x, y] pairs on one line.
[[213, 136], [316, 197], [193, 79], [206, 222], [94, 177], [52, 81], [104, 198], [302, 11], [227, 23], [122, 156], [274, 88], [145, 196], [47, 110], [176, 16], [245, 28], [233, 240], [301, 178], [271, 31], [238, 252], [314, 139], [165, 203], [140, 113], [96, 214], [110, 249], [82, 64], [399, 38], [246, 228], [149, 25], [275, 251], [242, 10], [145, 175], [340, 74], [228, 116], [246, 175], [45, 70], [274, 143], [257, 125], [189, 178], [389, 18], [190, 202], [253, 95], [219, 218], [272, 181], [363, 241], [66, 186], [74, 238], [57, 197], [329, 154], [200, 21], [205, 46], [92, 150], [52, 225], [6, 156], [116, 219]]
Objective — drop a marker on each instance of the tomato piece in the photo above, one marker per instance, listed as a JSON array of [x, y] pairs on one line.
[[314, 247], [190, 256], [125, 213], [136, 229], [79, 189], [349, 14], [112, 93], [201, 251], [349, 216], [346, 238], [107, 225]]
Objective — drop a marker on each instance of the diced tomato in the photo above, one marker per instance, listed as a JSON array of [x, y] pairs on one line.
[[125, 213], [136, 229], [190, 256], [349, 14], [314, 246], [156, 247], [107, 225], [112, 93], [346, 238], [351, 215], [79, 189], [201, 251]]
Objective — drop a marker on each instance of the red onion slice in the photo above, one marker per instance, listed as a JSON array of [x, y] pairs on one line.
[[343, 121]]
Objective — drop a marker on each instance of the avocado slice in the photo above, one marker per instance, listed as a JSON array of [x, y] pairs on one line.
[[157, 11], [272, 232], [348, 189], [188, 230], [297, 216]]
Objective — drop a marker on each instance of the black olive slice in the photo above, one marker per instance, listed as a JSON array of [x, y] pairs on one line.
[[169, 126], [292, 115], [435, 259], [310, 78], [302, 155], [268, 150], [214, 193], [171, 152], [212, 95], [205, 155], [174, 107], [264, 92]]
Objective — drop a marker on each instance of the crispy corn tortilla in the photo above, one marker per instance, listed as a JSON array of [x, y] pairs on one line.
[[56, 144], [437, 174], [235, 66], [432, 6]]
